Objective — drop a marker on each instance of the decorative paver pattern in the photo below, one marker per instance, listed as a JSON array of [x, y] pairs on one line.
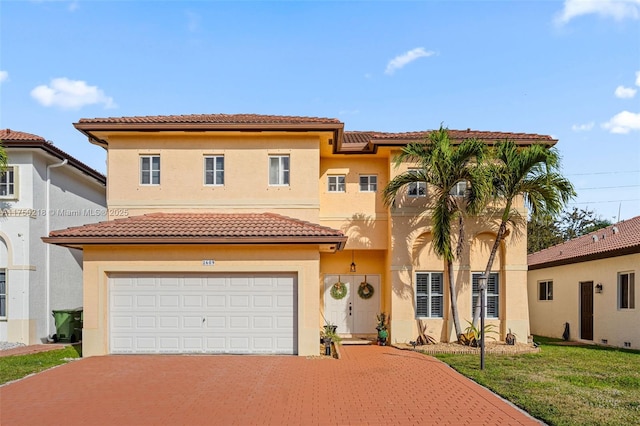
[[369, 385]]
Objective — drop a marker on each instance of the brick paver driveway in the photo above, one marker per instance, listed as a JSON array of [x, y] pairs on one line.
[[369, 385]]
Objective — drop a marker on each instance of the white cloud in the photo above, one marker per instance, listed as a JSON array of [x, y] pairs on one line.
[[4, 76], [193, 21], [73, 6], [625, 92], [70, 94], [637, 78], [623, 122], [616, 9], [582, 127], [406, 58]]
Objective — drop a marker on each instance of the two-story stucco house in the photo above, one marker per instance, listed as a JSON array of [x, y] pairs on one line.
[[239, 227], [42, 189], [589, 284]]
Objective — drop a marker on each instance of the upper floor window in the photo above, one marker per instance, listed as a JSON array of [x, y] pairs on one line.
[[336, 183], [7, 183], [368, 183], [492, 294], [626, 290], [459, 189], [214, 170], [429, 295], [150, 170], [416, 189], [278, 170], [3, 293], [545, 290]]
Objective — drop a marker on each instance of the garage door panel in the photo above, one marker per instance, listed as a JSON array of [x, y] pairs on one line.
[[147, 301], [237, 301], [203, 313], [263, 301], [216, 301], [193, 301]]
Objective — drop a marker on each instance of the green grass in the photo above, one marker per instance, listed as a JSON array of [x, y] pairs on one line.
[[563, 385], [18, 366]]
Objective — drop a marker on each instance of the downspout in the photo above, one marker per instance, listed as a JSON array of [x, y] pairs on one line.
[[47, 262]]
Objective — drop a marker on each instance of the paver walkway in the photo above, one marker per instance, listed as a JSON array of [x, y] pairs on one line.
[[370, 385]]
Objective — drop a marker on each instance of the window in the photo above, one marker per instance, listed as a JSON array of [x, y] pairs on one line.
[[546, 290], [214, 170], [336, 183], [278, 170], [150, 170], [492, 294], [459, 189], [417, 189], [429, 294], [626, 290], [3, 293], [7, 183], [368, 183]]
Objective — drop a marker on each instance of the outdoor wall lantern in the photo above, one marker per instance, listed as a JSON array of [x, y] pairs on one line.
[[352, 268], [599, 288]]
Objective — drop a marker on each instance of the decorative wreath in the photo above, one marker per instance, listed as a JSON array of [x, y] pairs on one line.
[[365, 290], [338, 290]]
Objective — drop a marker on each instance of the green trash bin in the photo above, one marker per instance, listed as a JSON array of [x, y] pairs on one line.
[[68, 325]]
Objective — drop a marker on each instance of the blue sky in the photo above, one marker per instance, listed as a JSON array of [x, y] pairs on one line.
[[568, 69]]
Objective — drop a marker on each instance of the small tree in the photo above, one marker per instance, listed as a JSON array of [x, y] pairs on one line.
[[533, 173], [441, 167]]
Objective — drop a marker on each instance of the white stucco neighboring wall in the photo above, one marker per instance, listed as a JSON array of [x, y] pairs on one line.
[[40, 278], [611, 325]]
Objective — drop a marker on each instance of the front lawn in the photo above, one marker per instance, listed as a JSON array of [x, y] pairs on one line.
[[563, 385], [18, 366]]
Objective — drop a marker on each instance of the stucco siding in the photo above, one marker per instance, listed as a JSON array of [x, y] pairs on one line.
[[610, 324]]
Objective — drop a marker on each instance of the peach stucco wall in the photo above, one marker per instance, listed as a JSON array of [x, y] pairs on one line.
[[614, 325], [99, 261], [246, 187], [386, 242]]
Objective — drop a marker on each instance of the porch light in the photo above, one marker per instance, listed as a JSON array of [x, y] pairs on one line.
[[482, 282], [352, 268], [599, 288]]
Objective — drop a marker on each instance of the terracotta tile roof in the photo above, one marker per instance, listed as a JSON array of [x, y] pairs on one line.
[[214, 118], [199, 228], [12, 135], [615, 240], [360, 137], [14, 139]]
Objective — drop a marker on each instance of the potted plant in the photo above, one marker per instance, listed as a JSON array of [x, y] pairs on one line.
[[382, 327]]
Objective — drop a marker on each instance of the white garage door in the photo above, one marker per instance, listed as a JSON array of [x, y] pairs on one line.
[[166, 313]]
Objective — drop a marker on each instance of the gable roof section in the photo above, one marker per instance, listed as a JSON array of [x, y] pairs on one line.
[[615, 240], [351, 142], [370, 141], [200, 228], [13, 139], [207, 122]]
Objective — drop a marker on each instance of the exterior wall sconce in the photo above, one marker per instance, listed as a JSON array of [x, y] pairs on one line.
[[352, 268], [599, 288]]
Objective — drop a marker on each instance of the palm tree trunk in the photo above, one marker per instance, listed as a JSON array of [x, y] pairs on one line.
[[496, 244], [454, 300]]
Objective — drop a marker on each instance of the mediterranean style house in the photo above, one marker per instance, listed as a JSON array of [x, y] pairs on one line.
[[43, 188], [246, 233], [589, 284]]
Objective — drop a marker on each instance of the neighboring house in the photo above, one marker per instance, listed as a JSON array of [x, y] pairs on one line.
[[589, 283], [228, 233], [42, 189]]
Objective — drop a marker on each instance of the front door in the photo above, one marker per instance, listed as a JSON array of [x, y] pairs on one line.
[[586, 310], [355, 313]]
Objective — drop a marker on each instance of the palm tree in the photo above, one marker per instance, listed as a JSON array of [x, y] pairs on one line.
[[533, 173], [442, 166]]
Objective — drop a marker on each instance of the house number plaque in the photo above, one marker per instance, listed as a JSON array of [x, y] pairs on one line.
[[208, 262]]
